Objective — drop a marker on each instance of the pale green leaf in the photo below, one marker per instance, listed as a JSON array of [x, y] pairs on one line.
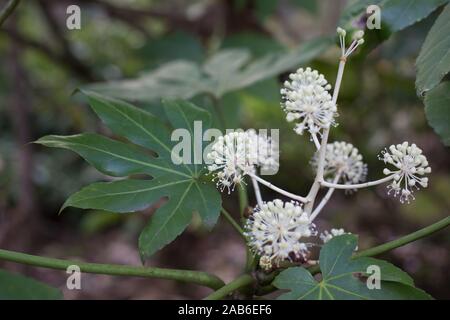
[[223, 72]]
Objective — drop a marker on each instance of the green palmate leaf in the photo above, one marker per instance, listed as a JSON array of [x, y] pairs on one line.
[[181, 183], [18, 287], [185, 115], [433, 62], [174, 216], [109, 156], [437, 110], [226, 71], [345, 278], [137, 125], [396, 15]]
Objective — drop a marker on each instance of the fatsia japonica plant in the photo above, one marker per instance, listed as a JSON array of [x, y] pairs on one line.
[[286, 250]]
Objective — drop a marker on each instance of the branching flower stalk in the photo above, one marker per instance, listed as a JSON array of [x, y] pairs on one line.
[[279, 231]]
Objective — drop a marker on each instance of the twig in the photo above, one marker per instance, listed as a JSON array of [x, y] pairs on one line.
[[325, 199], [259, 199], [233, 223], [198, 277], [237, 283], [279, 190], [323, 146], [44, 49], [7, 10], [357, 186], [77, 65]]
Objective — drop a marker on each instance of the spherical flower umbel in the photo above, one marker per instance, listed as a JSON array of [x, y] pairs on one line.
[[307, 101], [237, 154], [265, 149], [343, 159], [410, 167], [276, 231]]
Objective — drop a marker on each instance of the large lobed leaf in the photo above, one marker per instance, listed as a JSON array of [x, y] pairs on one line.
[[343, 278], [225, 71], [18, 287], [181, 184]]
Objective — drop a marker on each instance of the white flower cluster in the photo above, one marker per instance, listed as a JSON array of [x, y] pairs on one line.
[[239, 153], [265, 149], [410, 166], [328, 235], [275, 232], [307, 101], [344, 161]]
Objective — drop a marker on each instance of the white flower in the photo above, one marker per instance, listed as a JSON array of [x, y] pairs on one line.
[[238, 153], [328, 235], [344, 159], [307, 101], [410, 165], [275, 232], [265, 149]]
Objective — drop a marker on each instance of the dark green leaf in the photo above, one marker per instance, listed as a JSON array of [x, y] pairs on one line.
[[399, 14], [180, 183], [344, 278], [437, 110], [433, 62], [109, 156], [174, 216], [396, 15], [125, 195], [183, 114], [136, 125], [18, 287]]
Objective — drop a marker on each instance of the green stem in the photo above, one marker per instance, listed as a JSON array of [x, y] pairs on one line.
[[243, 200], [388, 246], [198, 277], [233, 223], [7, 10], [419, 234], [240, 282], [243, 205]]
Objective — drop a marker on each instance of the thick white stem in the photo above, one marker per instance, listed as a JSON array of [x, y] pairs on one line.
[[325, 199], [279, 190], [259, 199], [320, 166], [316, 141], [357, 186]]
